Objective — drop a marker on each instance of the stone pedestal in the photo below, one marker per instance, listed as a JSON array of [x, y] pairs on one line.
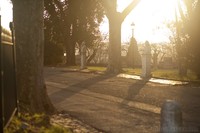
[[146, 61], [146, 66], [171, 117], [83, 56]]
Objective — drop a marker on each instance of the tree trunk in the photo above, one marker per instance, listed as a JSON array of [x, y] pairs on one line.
[[28, 21], [115, 20], [114, 61]]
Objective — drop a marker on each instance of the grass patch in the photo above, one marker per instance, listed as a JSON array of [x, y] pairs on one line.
[[135, 71], [91, 68], [158, 73], [73, 67], [37, 123], [96, 68], [174, 74], [165, 74]]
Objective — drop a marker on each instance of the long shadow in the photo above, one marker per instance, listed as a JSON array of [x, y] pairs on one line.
[[190, 105], [133, 91], [64, 93]]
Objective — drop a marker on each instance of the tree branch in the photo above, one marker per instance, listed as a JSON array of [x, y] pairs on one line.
[[129, 8]]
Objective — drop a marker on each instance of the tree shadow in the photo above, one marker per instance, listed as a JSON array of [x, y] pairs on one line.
[[71, 90], [190, 105]]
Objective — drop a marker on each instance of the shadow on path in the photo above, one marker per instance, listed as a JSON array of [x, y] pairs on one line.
[[64, 93], [134, 90]]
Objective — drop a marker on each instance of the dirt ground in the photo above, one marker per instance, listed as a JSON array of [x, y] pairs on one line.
[[113, 104]]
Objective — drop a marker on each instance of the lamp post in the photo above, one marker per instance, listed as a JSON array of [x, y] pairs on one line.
[[132, 27]]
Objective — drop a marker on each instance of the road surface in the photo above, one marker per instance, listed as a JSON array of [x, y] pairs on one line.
[[117, 105]]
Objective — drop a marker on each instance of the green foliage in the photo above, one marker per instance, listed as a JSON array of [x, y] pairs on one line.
[[57, 129], [37, 123]]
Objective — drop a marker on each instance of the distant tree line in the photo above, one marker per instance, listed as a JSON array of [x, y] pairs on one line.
[[69, 24]]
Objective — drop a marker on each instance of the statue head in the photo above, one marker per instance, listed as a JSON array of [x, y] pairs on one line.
[[147, 43], [147, 47]]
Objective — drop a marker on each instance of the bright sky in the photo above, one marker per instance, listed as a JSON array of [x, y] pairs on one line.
[[149, 17], [6, 12]]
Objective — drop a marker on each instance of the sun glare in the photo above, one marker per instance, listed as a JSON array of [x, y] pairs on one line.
[[6, 13], [150, 18]]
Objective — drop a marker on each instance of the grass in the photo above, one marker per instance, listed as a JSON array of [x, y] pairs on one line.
[[158, 73], [96, 68], [174, 74], [37, 123], [165, 74], [91, 68], [136, 71], [73, 67]]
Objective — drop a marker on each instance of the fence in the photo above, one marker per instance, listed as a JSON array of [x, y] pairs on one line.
[[8, 93]]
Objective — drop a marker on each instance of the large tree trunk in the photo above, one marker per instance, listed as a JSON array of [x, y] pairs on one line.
[[114, 62], [28, 21], [115, 20]]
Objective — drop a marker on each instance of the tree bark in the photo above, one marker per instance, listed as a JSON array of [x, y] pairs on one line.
[[114, 60], [28, 21]]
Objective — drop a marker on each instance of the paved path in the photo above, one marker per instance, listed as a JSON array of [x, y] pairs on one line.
[[118, 105]]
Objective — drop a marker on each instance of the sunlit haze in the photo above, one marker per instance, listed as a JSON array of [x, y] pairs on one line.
[[6, 12], [150, 18]]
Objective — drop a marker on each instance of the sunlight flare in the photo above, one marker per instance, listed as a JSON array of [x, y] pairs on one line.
[[150, 18], [6, 13]]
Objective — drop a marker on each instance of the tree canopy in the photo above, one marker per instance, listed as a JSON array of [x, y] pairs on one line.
[[72, 22]]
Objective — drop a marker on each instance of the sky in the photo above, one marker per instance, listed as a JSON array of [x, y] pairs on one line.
[[6, 12], [150, 18]]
